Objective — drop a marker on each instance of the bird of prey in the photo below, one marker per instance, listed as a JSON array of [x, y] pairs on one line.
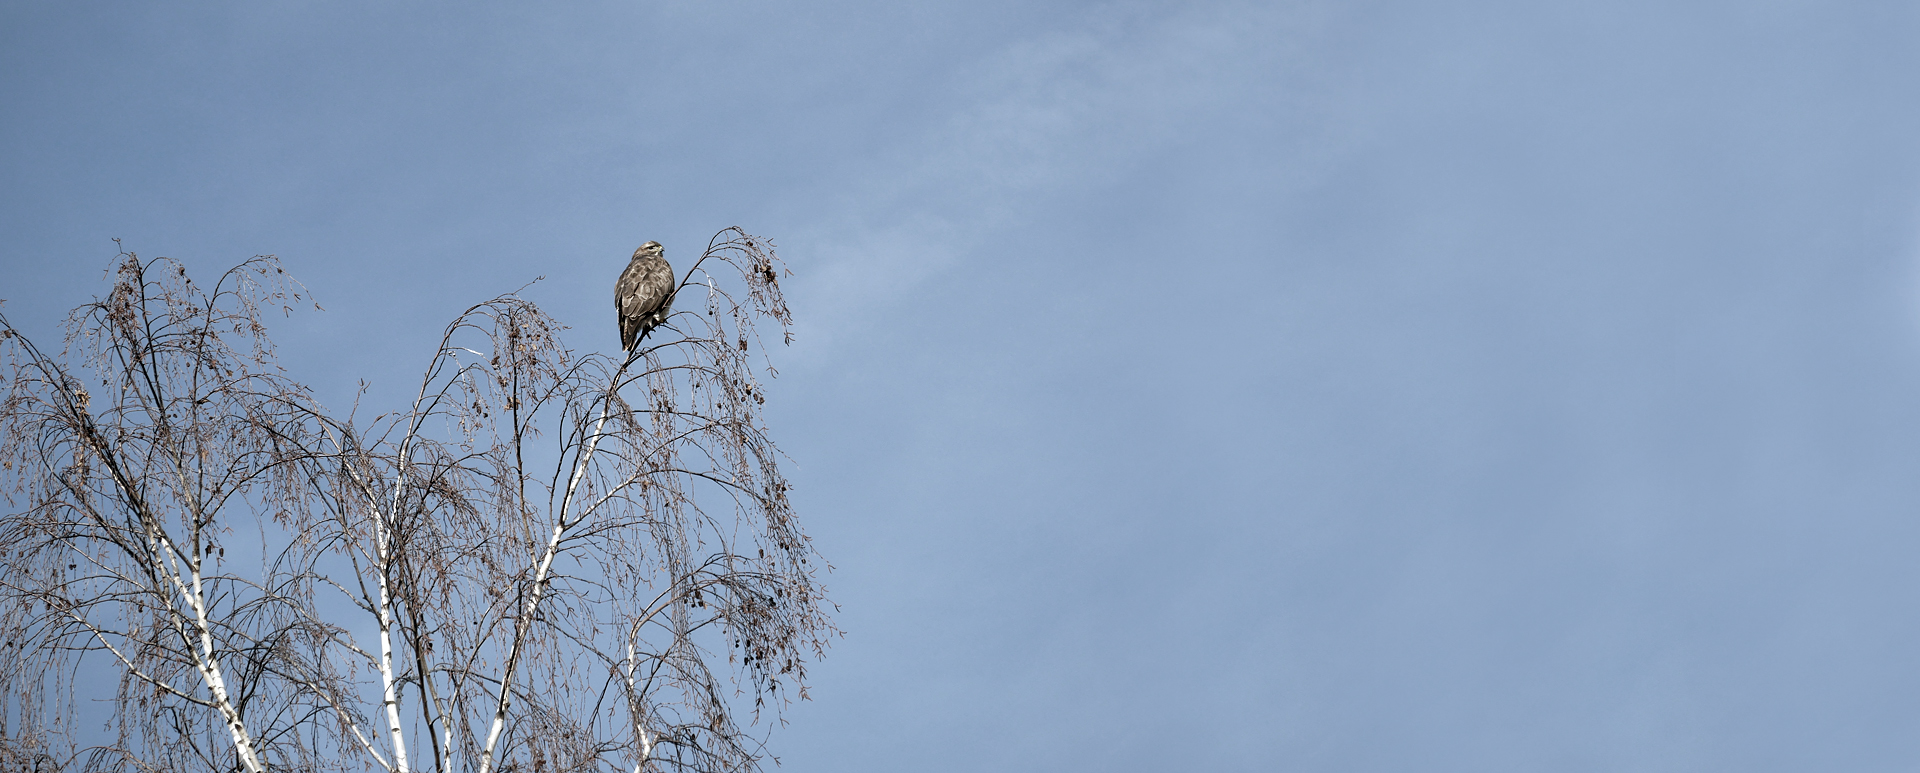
[[642, 295]]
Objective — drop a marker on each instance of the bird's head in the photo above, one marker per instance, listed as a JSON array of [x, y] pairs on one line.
[[652, 249]]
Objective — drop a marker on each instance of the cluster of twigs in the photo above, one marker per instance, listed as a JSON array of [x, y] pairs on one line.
[[549, 561]]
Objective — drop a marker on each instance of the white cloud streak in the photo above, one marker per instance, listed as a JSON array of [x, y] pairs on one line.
[[1057, 114]]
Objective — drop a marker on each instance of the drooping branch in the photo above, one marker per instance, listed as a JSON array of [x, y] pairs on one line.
[[565, 560]]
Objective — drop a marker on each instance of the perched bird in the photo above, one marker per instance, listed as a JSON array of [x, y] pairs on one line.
[[642, 295]]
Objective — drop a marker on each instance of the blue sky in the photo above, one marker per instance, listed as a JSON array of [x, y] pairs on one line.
[[1211, 386]]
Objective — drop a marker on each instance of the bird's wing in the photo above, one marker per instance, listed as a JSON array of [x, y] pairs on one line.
[[657, 286], [626, 300]]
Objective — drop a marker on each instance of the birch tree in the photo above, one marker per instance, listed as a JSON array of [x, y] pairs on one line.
[[551, 560]]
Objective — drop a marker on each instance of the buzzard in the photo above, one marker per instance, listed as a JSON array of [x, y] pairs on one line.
[[642, 295]]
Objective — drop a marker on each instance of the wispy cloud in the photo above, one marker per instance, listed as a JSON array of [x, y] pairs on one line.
[[1057, 114]]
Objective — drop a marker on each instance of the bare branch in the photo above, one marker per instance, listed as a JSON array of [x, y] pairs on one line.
[[569, 561]]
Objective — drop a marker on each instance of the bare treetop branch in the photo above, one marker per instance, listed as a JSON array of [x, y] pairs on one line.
[[552, 559]]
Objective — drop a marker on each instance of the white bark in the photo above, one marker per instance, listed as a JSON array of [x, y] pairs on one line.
[[389, 693], [192, 591], [560, 527], [383, 610], [639, 720], [206, 662]]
